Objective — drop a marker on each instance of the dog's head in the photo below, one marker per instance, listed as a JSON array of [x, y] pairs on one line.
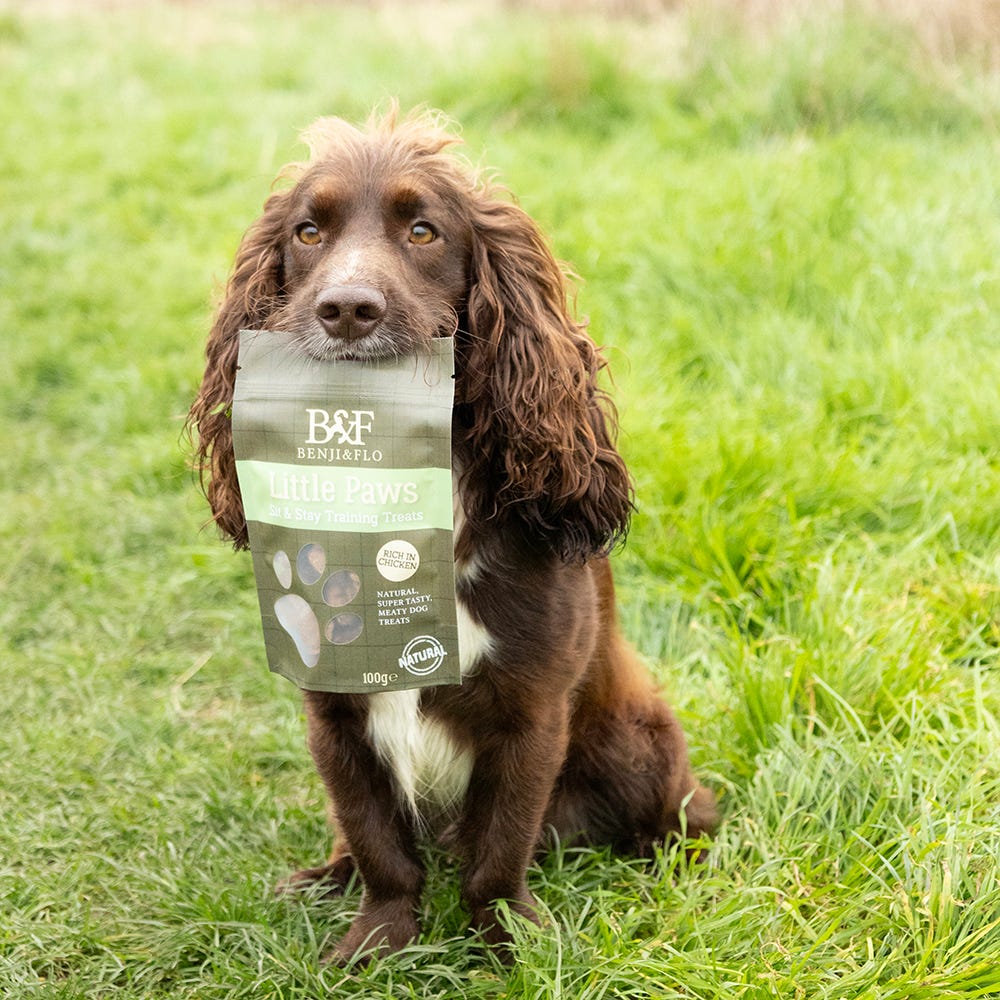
[[372, 246]]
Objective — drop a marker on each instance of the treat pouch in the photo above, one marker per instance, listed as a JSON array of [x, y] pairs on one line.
[[345, 472]]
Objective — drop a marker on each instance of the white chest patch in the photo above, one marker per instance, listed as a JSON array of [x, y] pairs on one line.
[[429, 768]]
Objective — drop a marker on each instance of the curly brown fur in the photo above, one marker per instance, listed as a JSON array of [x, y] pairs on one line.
[[383, 241]]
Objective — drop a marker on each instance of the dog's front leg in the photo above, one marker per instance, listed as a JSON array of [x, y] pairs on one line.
[[379, 830], [509, 790]]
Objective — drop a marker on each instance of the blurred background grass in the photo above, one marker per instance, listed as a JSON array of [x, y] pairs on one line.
[[786, 218]]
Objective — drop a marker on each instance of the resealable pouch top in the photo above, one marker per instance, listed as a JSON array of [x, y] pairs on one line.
[[345, 472]]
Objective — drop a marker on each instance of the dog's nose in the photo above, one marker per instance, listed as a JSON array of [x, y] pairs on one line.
[[349, 312]]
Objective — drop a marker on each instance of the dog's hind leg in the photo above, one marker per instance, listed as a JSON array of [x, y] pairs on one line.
[[627, 783]]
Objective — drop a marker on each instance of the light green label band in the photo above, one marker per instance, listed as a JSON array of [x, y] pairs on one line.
[[330, 498]]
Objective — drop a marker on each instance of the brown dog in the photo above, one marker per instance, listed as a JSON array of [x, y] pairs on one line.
[[384, 242]]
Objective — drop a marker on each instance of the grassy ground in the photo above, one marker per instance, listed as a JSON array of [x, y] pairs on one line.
[[789, 230]]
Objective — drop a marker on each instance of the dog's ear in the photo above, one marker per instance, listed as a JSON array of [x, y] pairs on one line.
[[539, 432], [252, 294]]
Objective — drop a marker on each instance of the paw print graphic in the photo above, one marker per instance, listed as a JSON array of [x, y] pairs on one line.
[[296, 615]]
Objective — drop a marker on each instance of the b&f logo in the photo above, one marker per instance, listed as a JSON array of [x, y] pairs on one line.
[[340, 427]]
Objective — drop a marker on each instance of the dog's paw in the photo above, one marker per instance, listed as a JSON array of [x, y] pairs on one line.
[[492, 931], [377, 931], [327, 880]]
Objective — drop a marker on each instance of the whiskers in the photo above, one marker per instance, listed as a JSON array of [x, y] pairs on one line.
[[388, 341]]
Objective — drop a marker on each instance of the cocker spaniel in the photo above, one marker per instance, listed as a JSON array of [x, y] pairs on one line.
[[384, 241]]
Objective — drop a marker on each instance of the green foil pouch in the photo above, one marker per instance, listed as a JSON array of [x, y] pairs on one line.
[[345, 472]]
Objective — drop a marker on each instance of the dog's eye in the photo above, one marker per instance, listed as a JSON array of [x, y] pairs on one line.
[[421, 234], [308, 233]]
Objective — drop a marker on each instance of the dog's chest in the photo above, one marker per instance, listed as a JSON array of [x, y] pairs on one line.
[[430, 769]]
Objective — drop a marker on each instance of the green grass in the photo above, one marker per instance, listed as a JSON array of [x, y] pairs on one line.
[[789, 234]]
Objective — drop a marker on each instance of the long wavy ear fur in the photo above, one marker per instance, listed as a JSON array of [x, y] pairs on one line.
[[252, 294], [538, 431]]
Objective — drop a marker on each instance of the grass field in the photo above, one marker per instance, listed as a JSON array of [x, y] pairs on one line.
[[789, 231]]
